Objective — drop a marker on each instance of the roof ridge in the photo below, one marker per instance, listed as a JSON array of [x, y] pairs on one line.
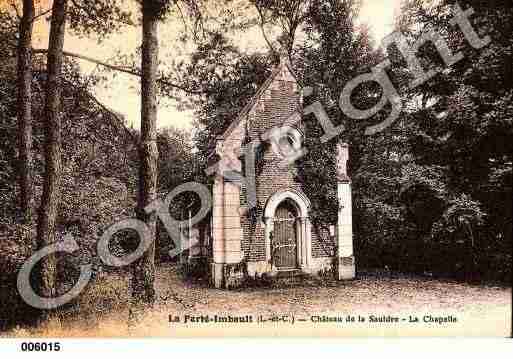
[[284, 61]]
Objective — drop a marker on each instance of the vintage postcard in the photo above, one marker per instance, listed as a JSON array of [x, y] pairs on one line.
[[255, 168]]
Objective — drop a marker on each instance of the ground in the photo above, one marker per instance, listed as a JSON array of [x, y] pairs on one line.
[[479, 310]]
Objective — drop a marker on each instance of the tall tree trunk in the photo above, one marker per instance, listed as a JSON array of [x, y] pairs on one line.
[[51, 189], [144, 269], [25, 110]]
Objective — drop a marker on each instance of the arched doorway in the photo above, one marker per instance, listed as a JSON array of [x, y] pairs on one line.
[[287, 231], [284, 242]]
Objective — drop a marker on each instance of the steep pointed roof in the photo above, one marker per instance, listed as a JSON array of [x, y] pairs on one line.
[[284, 63]]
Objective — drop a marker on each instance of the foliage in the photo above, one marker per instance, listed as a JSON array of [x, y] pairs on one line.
[[98, 18], [464, 128], [331, 35], [443, 168], [98, 177]]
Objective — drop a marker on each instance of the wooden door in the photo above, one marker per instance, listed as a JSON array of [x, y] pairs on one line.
[[285, 237]]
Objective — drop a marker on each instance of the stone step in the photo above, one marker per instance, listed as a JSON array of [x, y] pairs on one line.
[[292, 273]]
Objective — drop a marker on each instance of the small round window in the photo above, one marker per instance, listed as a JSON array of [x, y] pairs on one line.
[[287, 142]]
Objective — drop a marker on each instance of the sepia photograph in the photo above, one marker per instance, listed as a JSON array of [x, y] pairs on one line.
[[255, 169]]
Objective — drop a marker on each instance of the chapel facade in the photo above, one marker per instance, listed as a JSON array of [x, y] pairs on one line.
[[268, 232]]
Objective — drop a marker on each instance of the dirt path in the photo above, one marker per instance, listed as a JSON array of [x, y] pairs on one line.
[[468, 310], [477, 310]]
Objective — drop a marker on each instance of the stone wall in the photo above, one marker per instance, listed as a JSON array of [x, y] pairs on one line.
[[276, 107], [240, 234]]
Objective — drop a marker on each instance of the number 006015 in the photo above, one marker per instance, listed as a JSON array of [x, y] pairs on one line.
[[40, 347]]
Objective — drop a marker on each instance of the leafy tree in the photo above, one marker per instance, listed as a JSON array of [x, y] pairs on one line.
[[175, 158], [86, 17], [334, 52], [47, 216], [461, 125]]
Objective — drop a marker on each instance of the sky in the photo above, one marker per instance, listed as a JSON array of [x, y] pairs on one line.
[[120, 93], [379, 16]]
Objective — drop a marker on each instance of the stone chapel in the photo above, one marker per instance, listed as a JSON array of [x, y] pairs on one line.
[[277, 238]]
